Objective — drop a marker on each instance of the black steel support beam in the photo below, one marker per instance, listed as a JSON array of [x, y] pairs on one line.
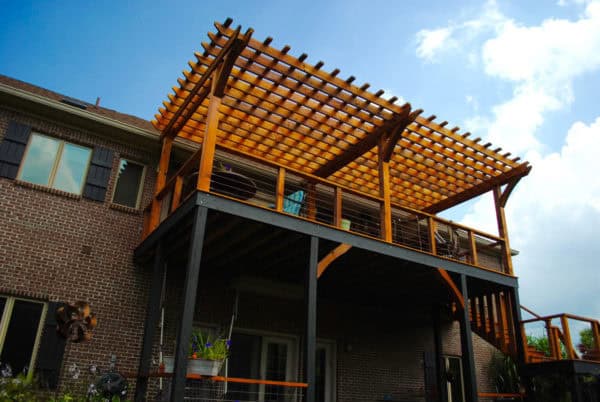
[[310, 357], [520, 345], [439, 354], [341, 236], [152, 318], [189, 303], [466, 343]]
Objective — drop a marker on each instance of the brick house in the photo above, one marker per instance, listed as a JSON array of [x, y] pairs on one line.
[[270, 201]]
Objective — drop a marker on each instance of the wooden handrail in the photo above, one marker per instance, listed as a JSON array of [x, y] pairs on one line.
[[554, 316]]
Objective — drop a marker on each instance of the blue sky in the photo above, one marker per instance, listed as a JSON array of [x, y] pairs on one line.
[[523, 74]]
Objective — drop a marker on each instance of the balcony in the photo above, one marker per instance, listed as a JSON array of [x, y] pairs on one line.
[[274, 187]]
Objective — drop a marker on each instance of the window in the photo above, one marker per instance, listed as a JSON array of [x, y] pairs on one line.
[[55, 163], [21, 323], [454, 378], [129, 184]]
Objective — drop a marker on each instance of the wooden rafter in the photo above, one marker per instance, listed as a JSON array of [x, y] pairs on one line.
[[279, 107], [483, 187]]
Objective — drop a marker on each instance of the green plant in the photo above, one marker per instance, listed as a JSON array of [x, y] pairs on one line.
[[203, 346], [17, 389], [504, 370], [541, 343], [587, 339]]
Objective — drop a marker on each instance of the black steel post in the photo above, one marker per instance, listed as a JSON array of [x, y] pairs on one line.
[[519, 341], [184, 331], [152, 318], [466, 343], [439, 354], [310, 356]]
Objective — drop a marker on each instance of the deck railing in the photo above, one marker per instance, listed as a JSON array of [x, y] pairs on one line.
[[560, 340], [272, 186]]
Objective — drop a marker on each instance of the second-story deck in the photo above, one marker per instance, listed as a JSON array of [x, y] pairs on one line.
[[275, 132]]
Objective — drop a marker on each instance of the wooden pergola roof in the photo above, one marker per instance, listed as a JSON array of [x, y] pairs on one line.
[[277, 106]]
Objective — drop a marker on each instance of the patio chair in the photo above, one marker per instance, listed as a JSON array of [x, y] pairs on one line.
[[292, 203], [447, 243]]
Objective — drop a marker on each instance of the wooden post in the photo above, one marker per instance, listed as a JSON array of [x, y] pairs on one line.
[[385, 210], [192, 276], [280, 190], [431, 227], [473, 248], [161, 179], [177, 193], [466, 342], [310, 358], [552, 343], [152, 318], [209, 142], [337, 208], [502, 230], [567, 334], [596, 335]]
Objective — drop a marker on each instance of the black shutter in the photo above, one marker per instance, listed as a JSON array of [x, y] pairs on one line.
[[431, 389], [98, 174], [51, 351], [12, 148]]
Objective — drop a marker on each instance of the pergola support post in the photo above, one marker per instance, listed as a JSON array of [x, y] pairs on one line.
[[209, 143], [502, 229], [466, 343], [184, 331], [161, 179], [310, 357], [384, 192], [152, 319]]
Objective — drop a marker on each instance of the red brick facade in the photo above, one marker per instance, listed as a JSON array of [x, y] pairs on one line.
[[56, 247]]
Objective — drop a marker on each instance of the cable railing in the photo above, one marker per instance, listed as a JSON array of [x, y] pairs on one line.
[[265, 183], [560, 341]]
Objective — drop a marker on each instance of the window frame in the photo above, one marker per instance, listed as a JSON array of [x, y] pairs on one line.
[[56, 164], [140, 189], [448, 387], [5, 322]]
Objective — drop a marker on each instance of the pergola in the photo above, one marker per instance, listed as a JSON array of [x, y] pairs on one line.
[[244, 94]]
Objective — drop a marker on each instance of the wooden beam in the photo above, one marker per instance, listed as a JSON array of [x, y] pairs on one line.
[[454, 290], [280, 190], [568, 341], [385, 209], [362, 146], [508, 190], [503, 230], [208, 145], [161, 178], [337, 207], [481, 188], [391, 139], [333, 255]]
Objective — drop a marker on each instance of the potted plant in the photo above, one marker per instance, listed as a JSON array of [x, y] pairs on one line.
[[206, 354]]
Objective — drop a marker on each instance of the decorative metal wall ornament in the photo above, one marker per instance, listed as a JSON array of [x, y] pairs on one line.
[[76, 321]]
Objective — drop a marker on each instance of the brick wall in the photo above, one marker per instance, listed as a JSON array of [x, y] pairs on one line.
[[59, 248]]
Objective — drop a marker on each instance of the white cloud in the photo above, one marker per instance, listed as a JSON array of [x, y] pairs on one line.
[[554, 220], [431, 42], [554, 214]]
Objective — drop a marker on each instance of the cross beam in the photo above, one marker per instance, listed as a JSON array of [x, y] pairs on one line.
[[394, 125]]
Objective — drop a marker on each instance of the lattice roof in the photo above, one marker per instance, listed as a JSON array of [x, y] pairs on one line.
[[281, 108]]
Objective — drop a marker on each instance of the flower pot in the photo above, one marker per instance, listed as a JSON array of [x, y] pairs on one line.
[[195, 366]]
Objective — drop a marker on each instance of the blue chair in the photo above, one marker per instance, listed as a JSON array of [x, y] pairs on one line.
[[293, 203]]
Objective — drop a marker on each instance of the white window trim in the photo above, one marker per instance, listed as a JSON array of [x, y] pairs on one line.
[[57, 159], [140, 192], [4, 323], [331, 362]]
